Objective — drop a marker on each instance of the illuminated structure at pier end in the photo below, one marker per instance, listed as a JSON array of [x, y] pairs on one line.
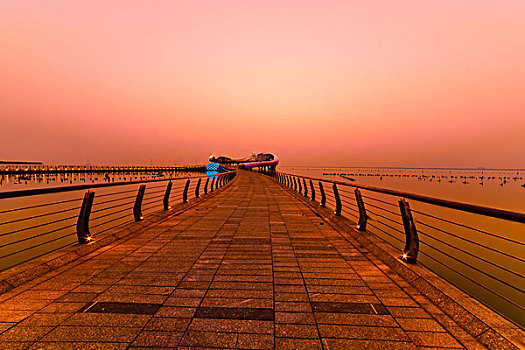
[[254, 161]]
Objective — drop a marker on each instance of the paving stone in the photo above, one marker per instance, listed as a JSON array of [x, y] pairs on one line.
[[170, 311], [422, 324], [362, 332], [296, 331], [209, 339], [78, 345], [62, 307], [235, 313], [359, 344], [294, 317], [44, 319], [24, 334], [355, 319], [350, 308], [255, 341], [293, 306], [434, 339], [95, 334], [106, 320], [158, 339], [168, 324], [23, 305], [235, 302], [121, 308], [13, 316], [297, 344]]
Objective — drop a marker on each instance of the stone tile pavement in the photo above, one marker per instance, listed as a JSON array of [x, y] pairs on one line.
[[251, 268]]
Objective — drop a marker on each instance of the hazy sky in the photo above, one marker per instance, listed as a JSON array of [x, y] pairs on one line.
[[356, 83]]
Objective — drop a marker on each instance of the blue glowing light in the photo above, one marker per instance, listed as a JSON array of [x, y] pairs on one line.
[[212, 166]]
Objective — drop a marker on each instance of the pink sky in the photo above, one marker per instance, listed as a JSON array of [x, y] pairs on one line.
[[354, 83]]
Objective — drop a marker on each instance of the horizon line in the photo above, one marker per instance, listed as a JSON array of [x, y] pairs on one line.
[[394, 167]]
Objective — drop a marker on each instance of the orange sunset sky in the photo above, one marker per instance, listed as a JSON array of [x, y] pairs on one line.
[[350, 83]]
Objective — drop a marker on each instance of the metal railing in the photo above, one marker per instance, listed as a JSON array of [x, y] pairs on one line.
[[489, 265], [36, 222]]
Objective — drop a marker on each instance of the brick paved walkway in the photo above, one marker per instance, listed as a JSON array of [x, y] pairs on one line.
[[250, 268]]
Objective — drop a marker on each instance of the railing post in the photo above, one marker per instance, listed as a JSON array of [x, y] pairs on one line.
[[305, 188], [294, 184], [313, 191], [338, 205], [217, 183], [166, 200], [83, 234], [411, 237], [323, 196], [137, 208], [211, 185], [361, 226], [300, 187], [197, 188], [185, 193], [206, 185]]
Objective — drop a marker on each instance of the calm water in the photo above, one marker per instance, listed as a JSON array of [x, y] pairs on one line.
[[490, 267]]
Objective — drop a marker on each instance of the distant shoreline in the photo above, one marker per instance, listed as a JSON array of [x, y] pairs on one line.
[[400, 168], [20, 162]]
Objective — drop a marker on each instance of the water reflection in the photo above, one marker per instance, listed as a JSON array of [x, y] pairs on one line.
[[212, 173]]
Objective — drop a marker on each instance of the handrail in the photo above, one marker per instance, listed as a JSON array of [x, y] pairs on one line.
[[59, 189], [467, 207]]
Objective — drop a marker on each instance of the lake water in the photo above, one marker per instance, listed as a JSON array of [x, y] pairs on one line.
[[488, 262]]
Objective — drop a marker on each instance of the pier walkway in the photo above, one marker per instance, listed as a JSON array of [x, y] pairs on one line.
[[252, 267]]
